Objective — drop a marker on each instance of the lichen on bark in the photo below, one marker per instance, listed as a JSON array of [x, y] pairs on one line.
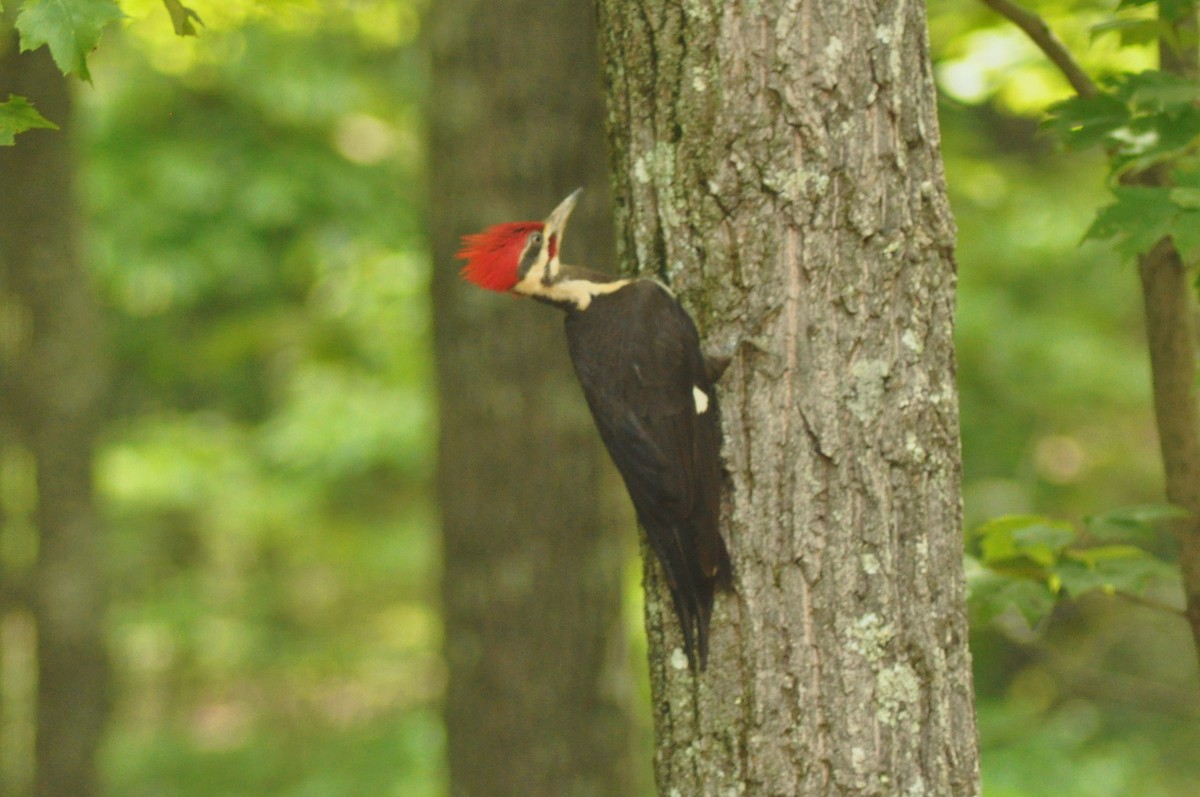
[[777, 163]]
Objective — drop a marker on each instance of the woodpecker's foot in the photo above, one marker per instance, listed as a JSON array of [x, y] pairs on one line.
[[715, 365], [758, 344]]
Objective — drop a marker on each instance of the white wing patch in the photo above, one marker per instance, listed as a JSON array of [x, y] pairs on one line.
[[701, 400]]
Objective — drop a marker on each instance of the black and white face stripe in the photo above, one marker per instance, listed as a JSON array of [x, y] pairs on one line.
[[533, 249]]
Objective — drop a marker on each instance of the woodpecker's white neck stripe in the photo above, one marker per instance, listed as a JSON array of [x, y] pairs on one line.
[[577, 292]]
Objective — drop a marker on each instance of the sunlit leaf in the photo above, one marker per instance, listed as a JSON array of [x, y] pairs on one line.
[[1042, 542], [18, 115], [1105, 553], [70, 28], [1053, 535], [1033, 537]]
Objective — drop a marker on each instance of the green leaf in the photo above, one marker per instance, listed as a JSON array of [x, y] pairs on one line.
[[1136, 221], [1005, 525], [1116, 568], [181, 18], [1081, 122], [1155, 90], [1035, 538], [1186, 195], [1133, 30], [1043, 542], [1142, 119], [1170, 9], [1173, 10], [1137, 522], [1155, 138], [17, 115], [1187, 172], [1186, 235], [1186, 198], [70, 28], [1105, 553], [991, 594]]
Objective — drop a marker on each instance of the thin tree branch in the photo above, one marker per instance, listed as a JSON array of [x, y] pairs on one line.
[[1037, 30]]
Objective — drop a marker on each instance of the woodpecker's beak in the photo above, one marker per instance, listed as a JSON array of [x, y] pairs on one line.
[[556, 225], [556, 222]]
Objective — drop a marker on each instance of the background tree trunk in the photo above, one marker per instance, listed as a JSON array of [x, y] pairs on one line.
[[53, 388], [777, 163], [540, 693]]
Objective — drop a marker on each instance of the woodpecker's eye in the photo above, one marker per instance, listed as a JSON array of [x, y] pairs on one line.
[[536, 239]]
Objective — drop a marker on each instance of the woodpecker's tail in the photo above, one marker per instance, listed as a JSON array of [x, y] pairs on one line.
[[692, 591]]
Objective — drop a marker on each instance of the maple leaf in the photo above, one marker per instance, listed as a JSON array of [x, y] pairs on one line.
[[70, 28], [17, 115]]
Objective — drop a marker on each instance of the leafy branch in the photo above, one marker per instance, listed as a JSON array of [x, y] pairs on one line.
[[71, 29], [1149, 126], [1032, 562]]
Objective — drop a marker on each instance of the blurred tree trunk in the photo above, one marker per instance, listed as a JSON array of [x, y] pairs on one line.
[[53, 388], [778, 164], [540, 694]]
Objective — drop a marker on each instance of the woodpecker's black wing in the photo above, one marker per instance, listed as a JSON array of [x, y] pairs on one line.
[[637, 355]]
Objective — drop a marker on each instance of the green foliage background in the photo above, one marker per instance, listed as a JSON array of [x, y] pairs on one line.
[[254, 213]]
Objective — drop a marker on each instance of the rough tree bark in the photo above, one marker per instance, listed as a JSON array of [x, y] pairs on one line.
[[777, 163], [540, 699], [53, 387]]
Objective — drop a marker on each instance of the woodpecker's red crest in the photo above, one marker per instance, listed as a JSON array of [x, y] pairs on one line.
[[493, 255]]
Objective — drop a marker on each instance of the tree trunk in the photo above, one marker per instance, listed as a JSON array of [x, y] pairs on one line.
[[777, 163], [1171, 339], [540, 692], [53, 388]]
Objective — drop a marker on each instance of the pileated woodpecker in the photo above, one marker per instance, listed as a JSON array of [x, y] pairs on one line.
[[650, 389]]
